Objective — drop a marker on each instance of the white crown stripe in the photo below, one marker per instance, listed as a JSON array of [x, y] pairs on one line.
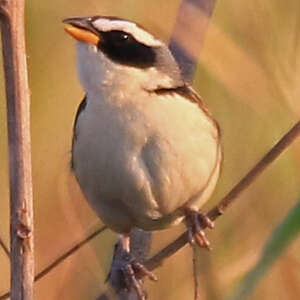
[[138, 33]]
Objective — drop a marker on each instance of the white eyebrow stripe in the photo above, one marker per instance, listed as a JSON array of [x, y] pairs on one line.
[[138, 33]]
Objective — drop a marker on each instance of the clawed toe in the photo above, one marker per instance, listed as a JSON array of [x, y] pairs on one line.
[[132, 272], [143, 271], [195, 222], [132, 282]]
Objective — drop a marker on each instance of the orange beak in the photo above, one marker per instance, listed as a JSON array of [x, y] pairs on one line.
[[82, 35]]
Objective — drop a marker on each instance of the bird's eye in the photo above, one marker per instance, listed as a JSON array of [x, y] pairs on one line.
[[122, 47], [124, 37], [119, 38]]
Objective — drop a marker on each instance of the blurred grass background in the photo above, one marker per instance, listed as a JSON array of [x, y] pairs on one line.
[[249, 74]]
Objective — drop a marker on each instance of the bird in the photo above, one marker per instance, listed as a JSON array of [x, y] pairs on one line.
[[146, 151]]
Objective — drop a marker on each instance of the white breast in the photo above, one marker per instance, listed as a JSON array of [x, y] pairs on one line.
[[138, 162]]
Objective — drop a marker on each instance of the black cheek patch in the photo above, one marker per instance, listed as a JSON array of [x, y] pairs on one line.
[[131, 54]]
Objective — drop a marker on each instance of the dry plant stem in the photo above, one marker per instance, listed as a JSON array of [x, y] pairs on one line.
[[195, 277], [220, 208], [284, 143], [191, 12], [63, 257], [18, 115], [5, 249]]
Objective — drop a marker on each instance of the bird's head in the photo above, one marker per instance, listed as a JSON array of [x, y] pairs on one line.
[[114, 51]]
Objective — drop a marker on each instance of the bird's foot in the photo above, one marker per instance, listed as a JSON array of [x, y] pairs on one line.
[[126, 272], [133, 271], [196, 222]]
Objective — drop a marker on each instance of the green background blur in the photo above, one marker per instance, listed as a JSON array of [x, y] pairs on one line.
[[248, 72]]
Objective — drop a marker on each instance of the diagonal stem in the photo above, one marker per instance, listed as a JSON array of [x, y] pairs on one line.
[[228, 200], [63, 257], [5, 249]]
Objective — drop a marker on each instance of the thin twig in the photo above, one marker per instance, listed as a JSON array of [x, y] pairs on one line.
[[5, 249], [279, 147], [220, 208], [195, 275], [63, 257], [5, 296], [190, 14], [18, 124], [68, 253]]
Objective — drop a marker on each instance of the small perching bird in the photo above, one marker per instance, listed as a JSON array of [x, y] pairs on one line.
[[146, 151]]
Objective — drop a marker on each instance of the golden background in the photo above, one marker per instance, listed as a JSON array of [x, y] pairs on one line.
[[249, 73]]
